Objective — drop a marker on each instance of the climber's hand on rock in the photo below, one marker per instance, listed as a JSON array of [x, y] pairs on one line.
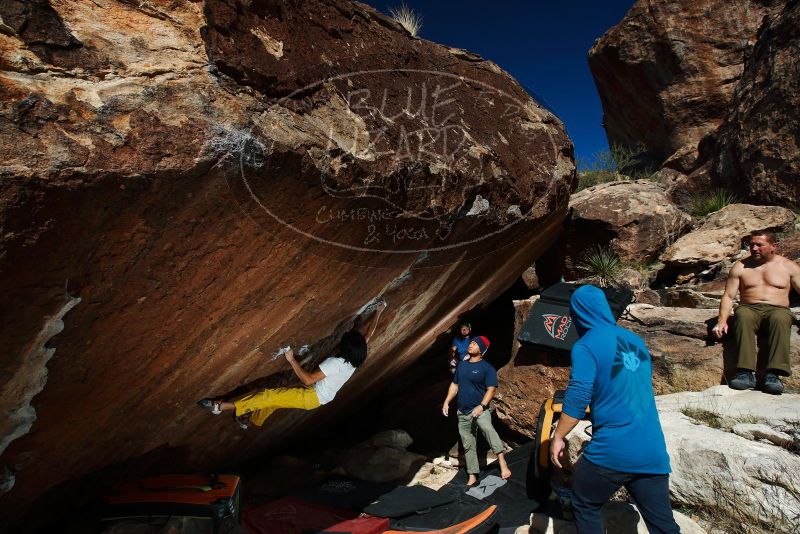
[[289, 354]]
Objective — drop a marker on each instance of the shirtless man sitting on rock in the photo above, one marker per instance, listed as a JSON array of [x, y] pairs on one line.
[[763, 281]]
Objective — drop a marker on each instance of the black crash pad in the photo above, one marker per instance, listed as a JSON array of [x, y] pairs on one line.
[[549, 325], [406, 500]]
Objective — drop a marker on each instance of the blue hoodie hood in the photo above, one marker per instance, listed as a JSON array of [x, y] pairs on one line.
[[590, 309]]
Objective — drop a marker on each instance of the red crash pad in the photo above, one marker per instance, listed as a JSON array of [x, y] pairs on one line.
[[295, 516]]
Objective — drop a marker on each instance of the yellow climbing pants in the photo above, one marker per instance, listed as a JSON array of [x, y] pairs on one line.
[[261, 404]]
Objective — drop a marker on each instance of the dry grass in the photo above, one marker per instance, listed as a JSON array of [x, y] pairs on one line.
[[407, 18], [616, 163], [709, 419]]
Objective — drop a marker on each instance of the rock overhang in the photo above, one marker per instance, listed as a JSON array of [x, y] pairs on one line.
[[145, 175]]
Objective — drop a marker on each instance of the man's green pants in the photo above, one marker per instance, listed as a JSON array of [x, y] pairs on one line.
[[776, 321], [468, 428]]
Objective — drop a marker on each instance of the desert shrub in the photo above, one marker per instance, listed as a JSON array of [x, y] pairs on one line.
[[588, 178], [407, 18], [600, 263], [701, 204], [613, 164]]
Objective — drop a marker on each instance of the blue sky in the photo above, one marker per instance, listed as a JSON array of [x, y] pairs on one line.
[[543, 44]]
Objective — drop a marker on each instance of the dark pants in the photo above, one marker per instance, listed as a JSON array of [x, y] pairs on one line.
[[777, 321], [593, 485]]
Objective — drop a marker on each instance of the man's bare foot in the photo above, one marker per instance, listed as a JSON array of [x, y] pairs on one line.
[[473, 479], [505, 472]]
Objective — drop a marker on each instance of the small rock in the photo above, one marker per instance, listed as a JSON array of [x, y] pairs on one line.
[[647, 296], [631, 278], [7, 479], [453, 452], [396, 439], [531, 279], [684, 297], [761, 431], [385, 464]]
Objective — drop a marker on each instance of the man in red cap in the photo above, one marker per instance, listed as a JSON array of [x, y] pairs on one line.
[[475, 381]]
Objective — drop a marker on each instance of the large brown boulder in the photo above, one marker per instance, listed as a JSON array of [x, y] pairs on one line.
[[721, 237], [757, 148], [637, 219], [187, 186], [677, 338], [667, 72]]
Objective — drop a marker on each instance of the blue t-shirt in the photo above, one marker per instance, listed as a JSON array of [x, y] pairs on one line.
[[612, 374], [461, 344], [473, 379]]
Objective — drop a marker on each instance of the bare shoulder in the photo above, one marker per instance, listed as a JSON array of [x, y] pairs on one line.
[[791, 266], [737, 269]]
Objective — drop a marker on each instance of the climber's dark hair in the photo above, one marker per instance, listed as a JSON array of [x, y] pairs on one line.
[[353, 348]]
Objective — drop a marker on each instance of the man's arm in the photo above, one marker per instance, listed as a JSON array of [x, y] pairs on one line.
[[306, 378], [726, 302], [565, 424], [487, 398], [795, 276], [367, 328], [451, 394], [577, 397]]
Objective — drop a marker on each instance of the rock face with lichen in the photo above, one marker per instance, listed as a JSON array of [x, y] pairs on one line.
[[708, 89], [667, 72], [757, 149], [216, 179]]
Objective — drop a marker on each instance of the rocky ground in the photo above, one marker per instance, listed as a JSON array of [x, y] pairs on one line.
[[734, 456]]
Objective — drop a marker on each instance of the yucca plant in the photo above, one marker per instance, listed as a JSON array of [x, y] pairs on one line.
[[600, 263], [407, 18], [701, 204]]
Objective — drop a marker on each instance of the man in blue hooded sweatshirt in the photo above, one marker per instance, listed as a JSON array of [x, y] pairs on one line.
[[612, 375]]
